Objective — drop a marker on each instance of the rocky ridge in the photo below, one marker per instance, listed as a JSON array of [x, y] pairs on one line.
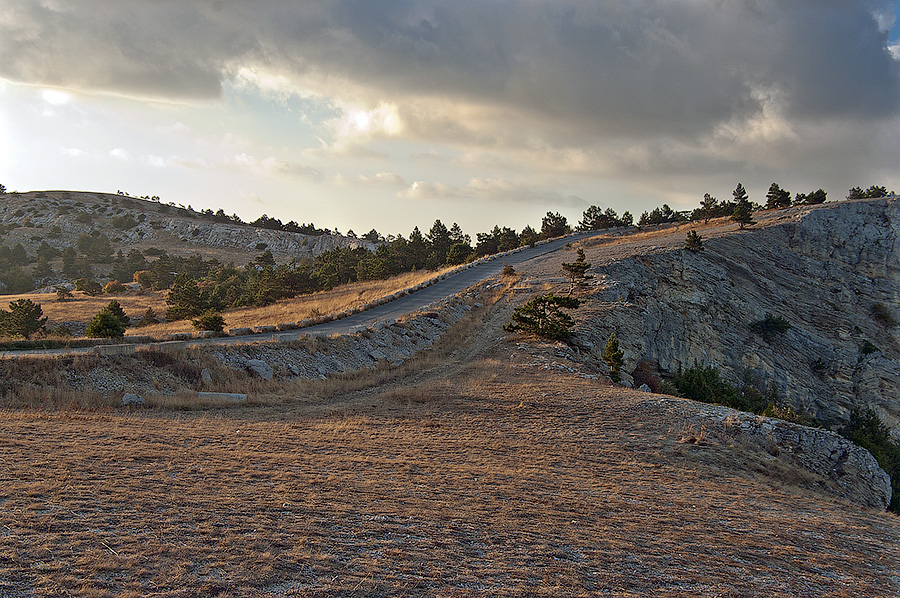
[[58, 217], [831, 271]]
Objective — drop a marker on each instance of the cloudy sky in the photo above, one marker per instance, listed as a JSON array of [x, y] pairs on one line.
[[357, 113]]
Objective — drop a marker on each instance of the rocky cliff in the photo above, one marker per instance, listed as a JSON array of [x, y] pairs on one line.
[[832, 271]]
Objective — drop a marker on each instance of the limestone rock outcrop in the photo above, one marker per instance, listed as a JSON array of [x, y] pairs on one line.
[[830, 271], [843, 469]]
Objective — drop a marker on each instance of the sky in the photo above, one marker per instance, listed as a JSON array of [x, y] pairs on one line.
[[355, 114]]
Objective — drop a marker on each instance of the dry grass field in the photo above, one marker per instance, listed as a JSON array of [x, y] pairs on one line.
[[84, 307], [469, 471]]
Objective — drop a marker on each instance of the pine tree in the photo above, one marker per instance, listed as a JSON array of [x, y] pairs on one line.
[[115, 308], [743, 211], [694, 242], [708, 206], [777, 197], [544, 317], [614, 357], [148, 318], [183, 300], [24, 318], [576, 271]]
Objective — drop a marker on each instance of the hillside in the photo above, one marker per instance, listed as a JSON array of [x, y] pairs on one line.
[[59, 218], [441, 456], [833, 272], [477, 467]]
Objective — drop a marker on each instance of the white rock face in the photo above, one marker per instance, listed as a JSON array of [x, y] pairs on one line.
[[822, 269]]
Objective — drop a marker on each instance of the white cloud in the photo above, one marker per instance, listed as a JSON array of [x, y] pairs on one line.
[[274, 166], [120, 154], [423, 190], [383, 178], [493, 190]]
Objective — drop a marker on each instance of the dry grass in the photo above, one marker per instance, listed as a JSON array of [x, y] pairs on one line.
[[345, 297], [84, 307], [467, 472], [500, 483]]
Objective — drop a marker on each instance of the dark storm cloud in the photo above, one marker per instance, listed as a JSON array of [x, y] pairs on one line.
[[614, 67]]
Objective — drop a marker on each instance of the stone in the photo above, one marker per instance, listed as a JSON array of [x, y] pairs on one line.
[[205, 376], [228, 397], [260, 368], [133, 400], [645, 388]]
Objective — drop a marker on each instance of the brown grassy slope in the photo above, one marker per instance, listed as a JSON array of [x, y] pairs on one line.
[[483, 474], [341, 298]]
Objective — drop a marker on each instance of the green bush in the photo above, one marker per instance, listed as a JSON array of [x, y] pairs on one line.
[[770, 326], [105, 325], [704, 384], [210, 320], [868, 431]]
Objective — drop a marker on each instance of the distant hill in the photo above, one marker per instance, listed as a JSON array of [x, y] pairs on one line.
[[57, 219]]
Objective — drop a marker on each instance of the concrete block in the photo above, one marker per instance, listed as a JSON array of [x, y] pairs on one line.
[[110, 350], [170, 346]]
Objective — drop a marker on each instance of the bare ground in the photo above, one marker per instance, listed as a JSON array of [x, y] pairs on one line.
[[489, 469]]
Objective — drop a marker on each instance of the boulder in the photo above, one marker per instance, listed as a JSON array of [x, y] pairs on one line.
[[260, 368], [130, 400]]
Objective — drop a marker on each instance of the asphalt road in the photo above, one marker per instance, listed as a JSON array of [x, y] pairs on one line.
[[389, 311], [414, 301]]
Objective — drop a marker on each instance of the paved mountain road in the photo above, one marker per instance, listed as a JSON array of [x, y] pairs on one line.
[[418, 300], [415, 301]]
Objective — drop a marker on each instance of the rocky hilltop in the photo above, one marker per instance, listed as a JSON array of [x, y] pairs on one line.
[[833, 272], [59, 217]]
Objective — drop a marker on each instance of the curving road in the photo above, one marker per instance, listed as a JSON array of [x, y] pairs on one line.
[[448, 287], [452, 284]]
